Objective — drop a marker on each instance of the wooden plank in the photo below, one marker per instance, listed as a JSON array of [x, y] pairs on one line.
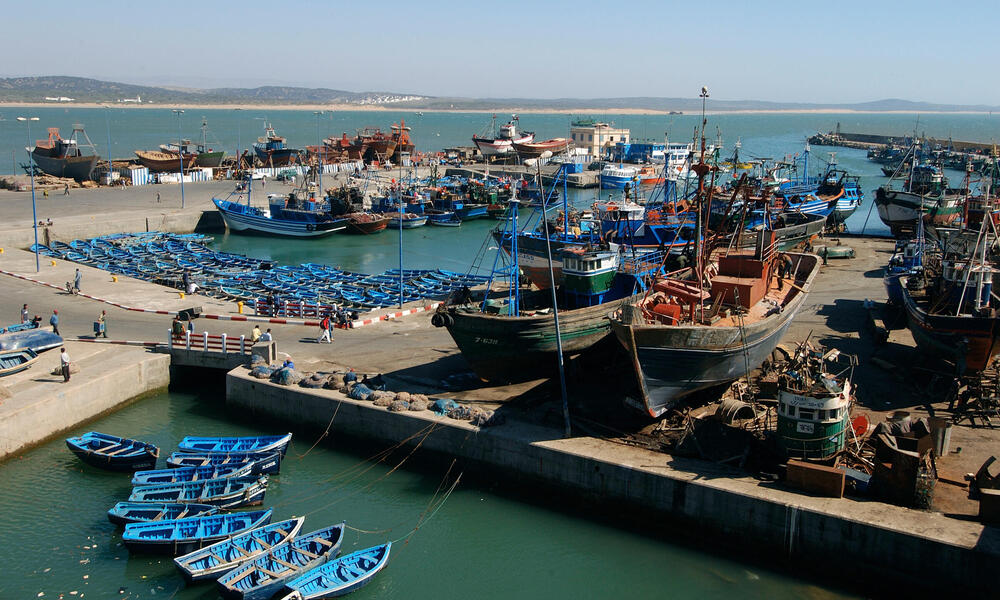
[[816, 479]]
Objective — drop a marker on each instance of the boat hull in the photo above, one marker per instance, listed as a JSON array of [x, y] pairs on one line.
[[78, 168], [244, 222], [164, 162], [210, 159], [900, 210], [142, 537], [503, 349], [265, 463], [947, 336], [124, 513], [673, 362], [37, 340], [281, 157]]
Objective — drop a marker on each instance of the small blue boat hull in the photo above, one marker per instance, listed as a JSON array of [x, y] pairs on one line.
[[257, 443], [113, 453], [124, 513], [38, 340], [264, 462], [170, 537], [341, 576]]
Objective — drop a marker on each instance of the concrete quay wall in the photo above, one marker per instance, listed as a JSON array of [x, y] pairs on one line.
[[871, 541], [42, 412], [72, 228]]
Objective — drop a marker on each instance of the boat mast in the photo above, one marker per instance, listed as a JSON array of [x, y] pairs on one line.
[[701, 169]]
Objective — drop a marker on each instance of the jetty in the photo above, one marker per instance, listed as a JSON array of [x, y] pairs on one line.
[[867, 141]]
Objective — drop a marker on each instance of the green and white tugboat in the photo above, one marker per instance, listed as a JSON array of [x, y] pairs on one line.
[[814, 405]]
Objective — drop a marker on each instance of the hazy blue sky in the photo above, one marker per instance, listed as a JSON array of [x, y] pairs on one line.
[[843, 51]]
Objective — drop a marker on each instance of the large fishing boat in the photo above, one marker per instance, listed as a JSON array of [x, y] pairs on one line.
[[950, 306], [166, 162], [924, 194], [401, 136], [271, 149], [204, 156], [814, 405], [695, 332], [616, 177], [513, 338], [371, 144], [294, 215], [66, 158], [494, 142]]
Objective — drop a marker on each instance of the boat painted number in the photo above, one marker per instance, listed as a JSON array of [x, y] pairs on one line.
[[805, 427], [482, 340]]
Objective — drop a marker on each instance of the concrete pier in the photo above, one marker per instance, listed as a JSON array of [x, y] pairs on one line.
[[867, 539]]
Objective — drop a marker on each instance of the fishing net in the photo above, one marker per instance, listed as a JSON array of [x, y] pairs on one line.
[[359, 391], [442, 405], [461, 413], [286, 376], [417, 404], [398, 405], [262, 372]]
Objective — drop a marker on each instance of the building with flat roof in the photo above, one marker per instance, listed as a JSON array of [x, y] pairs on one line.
[[598, 138]]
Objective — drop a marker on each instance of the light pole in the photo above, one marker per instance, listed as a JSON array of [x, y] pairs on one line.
[[238, 140], [31, 173], [107, 123], [319, 139], [180, 151]]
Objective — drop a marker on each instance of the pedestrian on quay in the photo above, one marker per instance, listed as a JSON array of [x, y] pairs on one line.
[[77, 279], [263, 180], [45, 193], [325, 327], [54, 321], [102, 325], [826, 253], [267, 336], [176, 327], [255, 334], [65, 189], [64, 363], [24, 313], [157, 197]]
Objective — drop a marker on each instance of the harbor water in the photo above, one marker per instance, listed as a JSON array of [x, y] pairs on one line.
[[482, 543]]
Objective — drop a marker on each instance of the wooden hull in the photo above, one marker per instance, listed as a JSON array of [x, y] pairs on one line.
[[183, 536], [277, 158], [339, 577], [900, 210], [165, 162], [672, 362], [259, 443], [205, 564], [968, 339], [113, 453], [367, 226], [536, 149], [124, 513], [210, 159], [503, 349], [264, 462], [15, 362], [78, 168], [224, 493]]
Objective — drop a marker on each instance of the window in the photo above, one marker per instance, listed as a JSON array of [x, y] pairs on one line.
[[612, 138], [807, 414], [591, 136]]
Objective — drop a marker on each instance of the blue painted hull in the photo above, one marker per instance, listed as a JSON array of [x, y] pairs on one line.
[[342, 576], [264, 462], [237, 218], [183, 536], [113, 453], [259, 443], [124, 513], [205, 564], [38, 340]]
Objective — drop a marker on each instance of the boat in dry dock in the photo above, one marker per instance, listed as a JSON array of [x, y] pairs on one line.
[[165, 162], [496, 141], [271, 150], [536, 149], [924, 194], [66, 158], [695, 332]]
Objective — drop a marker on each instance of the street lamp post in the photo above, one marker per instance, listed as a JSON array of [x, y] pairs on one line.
[[180, 150], [31, 173], [320, 141]]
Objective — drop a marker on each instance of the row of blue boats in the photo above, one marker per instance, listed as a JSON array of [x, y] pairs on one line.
[[173, 259], [179, 511]]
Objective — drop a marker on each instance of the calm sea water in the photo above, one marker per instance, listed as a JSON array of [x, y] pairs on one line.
[[480, 544]]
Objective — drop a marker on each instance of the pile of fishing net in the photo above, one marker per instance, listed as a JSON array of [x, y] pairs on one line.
[[461, 413], [383, 398], [257, 359], [358, 391], [262, 371], [486, 418], [315, 381], [418, 402], [441, 406], [398, 405], [286, 376]]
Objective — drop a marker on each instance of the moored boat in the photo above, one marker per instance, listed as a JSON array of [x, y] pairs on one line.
[[191, 474], [65, 158], [286, 216], [339, 577], [408, 221], [263, 577], [263, 462], [253, 443], [183, 536], [213, 561], [112, 452], [618, 176], [924, 195], [16, 361], [225, 493], [365, 223], [536, 149], [271, 150], [124, 513]]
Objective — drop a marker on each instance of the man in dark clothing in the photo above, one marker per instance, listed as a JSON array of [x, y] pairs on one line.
[[186, 278], [64, 364], [66, 189]]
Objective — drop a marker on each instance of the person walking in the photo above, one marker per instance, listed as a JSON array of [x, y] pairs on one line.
[[64, 363], [24, 313], [102, 325], [77, 279], [324, 326], [54, 321], [65, 189], [157, 197]]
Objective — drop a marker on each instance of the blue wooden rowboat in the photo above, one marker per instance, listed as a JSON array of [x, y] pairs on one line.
[[224, 493], [17, 361], [339, 577], [264, 462], [184, 474], [263, 577], [38, 340], [183, 536], [124, 513], [257, 443], [112, 452], [221, 557]]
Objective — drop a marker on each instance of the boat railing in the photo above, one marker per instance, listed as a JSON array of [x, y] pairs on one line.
[[643, 263], [207, 342]]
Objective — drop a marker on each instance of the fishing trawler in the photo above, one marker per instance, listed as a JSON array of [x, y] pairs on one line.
[[66, 158], [204, 156], [296, 215], [925, 194], [493, 142], [814, 405], [271, 150]]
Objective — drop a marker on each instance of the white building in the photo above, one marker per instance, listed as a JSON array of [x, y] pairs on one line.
[[595, 136]]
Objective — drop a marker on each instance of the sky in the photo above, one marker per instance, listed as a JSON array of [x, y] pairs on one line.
[[825, 52]]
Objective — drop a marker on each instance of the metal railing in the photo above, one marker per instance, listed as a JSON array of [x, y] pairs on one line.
[[206, 342]]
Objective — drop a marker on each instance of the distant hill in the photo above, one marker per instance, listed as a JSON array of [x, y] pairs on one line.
[[80, 89]]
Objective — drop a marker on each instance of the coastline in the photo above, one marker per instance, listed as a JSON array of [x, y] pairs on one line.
[[503, 109]]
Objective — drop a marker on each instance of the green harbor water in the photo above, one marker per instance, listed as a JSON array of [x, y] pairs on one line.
[[484, 542]]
